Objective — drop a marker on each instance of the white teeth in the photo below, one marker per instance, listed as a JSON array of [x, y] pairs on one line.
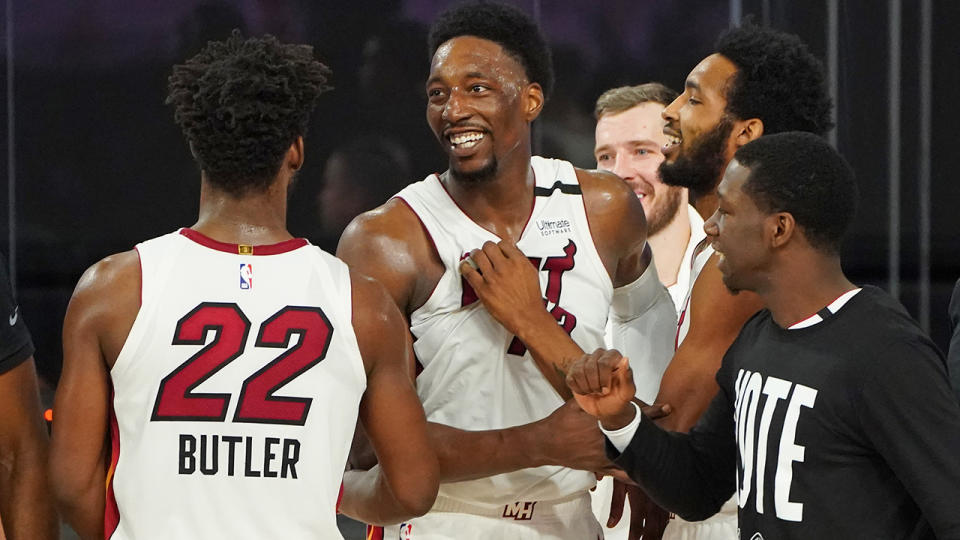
[[674, 140], [466, 140]]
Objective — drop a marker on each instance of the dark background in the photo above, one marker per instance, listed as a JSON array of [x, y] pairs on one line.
[[100, 164]]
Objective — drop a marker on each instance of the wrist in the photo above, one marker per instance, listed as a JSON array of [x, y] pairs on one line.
[[620, 418], [531, 327], [528, 437]]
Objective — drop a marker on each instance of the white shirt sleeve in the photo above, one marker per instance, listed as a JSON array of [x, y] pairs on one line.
[[621, 438], [643, 326]]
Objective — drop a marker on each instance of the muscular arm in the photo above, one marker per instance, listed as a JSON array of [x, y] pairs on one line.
[[24, 495], [405, 483], [689, 382], [390, 245], [99, 317]]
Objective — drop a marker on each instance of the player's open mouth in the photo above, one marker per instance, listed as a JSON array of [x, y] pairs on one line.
[[465, 140], [673, 141]]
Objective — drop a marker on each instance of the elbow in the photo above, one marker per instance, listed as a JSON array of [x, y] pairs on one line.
[[416, 497], [68, 488], [417, 502]]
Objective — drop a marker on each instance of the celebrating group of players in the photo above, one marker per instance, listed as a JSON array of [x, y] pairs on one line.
[[507, 330]]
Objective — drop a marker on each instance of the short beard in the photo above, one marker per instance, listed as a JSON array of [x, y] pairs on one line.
[[700, 169], [479, 176], [660, 217]]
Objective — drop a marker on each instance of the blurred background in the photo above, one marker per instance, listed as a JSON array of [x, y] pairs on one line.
[[94, 162]]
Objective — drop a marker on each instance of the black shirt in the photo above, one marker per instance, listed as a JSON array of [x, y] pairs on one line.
[[953, 354], [844, 429], [15, 343]]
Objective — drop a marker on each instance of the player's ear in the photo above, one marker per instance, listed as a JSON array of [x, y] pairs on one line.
[[533, 101], [294, 156], [781, 227], [747, 130]]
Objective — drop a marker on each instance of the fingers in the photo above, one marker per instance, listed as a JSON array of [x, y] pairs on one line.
[[510, 250], [468, 269], [582, 375], [657, 410], [616, 503]]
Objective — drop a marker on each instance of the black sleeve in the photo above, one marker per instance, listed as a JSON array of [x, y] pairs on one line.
[[691, 474], [909, 413], [15, 343], [953, 355]]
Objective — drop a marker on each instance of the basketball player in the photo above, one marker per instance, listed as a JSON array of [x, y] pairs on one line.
[[629, 143], [212, 376], [488, 395], [834, 408], [25, 505], [759, 81]]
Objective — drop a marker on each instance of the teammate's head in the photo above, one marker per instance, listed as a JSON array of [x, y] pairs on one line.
[[759, 81], [242, 104], [629, 142], [784, 190], [489, 75]]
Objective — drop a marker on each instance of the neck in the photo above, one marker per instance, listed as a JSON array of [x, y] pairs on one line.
[[253, 219], [501, 204], [798, 290], [669, 245]]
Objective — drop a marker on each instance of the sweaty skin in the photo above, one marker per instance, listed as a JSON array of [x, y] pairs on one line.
[[471, 90]]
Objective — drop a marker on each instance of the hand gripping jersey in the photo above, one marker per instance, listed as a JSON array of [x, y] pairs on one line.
[[236, 393], [478, 376]]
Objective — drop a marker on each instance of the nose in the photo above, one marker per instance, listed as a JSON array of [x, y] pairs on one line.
[[621, 168], [453, 109], [710, 226], [670, 111]]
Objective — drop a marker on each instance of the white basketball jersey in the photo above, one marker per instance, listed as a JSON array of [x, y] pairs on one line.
[[699, 259], [236, 393], [478, 376]]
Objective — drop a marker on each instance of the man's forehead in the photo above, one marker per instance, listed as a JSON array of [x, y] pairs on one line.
[[641, 122], [712, 73], [474, 51], [735, 175]]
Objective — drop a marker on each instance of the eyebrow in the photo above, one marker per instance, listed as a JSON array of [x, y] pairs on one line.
[[690, 83]]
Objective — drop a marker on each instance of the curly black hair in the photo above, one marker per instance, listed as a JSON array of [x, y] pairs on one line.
[[778, 80], [503, 24], [800, 173], [241, 103]]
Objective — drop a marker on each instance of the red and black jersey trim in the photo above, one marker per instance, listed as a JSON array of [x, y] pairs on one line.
[[240, 249]]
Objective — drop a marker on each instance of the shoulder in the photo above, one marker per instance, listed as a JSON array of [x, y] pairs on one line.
[[604, 192], [118, 273], [715, 312], [390, 244], [617, 224], [106, 302]]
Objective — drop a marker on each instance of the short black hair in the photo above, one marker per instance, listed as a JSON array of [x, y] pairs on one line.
[[778, 80], [503, 24], [800, 173], [241, 103]]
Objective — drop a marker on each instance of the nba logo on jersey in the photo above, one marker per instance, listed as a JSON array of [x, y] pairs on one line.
[[246, 276], [406, 531]]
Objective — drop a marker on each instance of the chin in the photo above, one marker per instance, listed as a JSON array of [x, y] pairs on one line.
[[476, 174]]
